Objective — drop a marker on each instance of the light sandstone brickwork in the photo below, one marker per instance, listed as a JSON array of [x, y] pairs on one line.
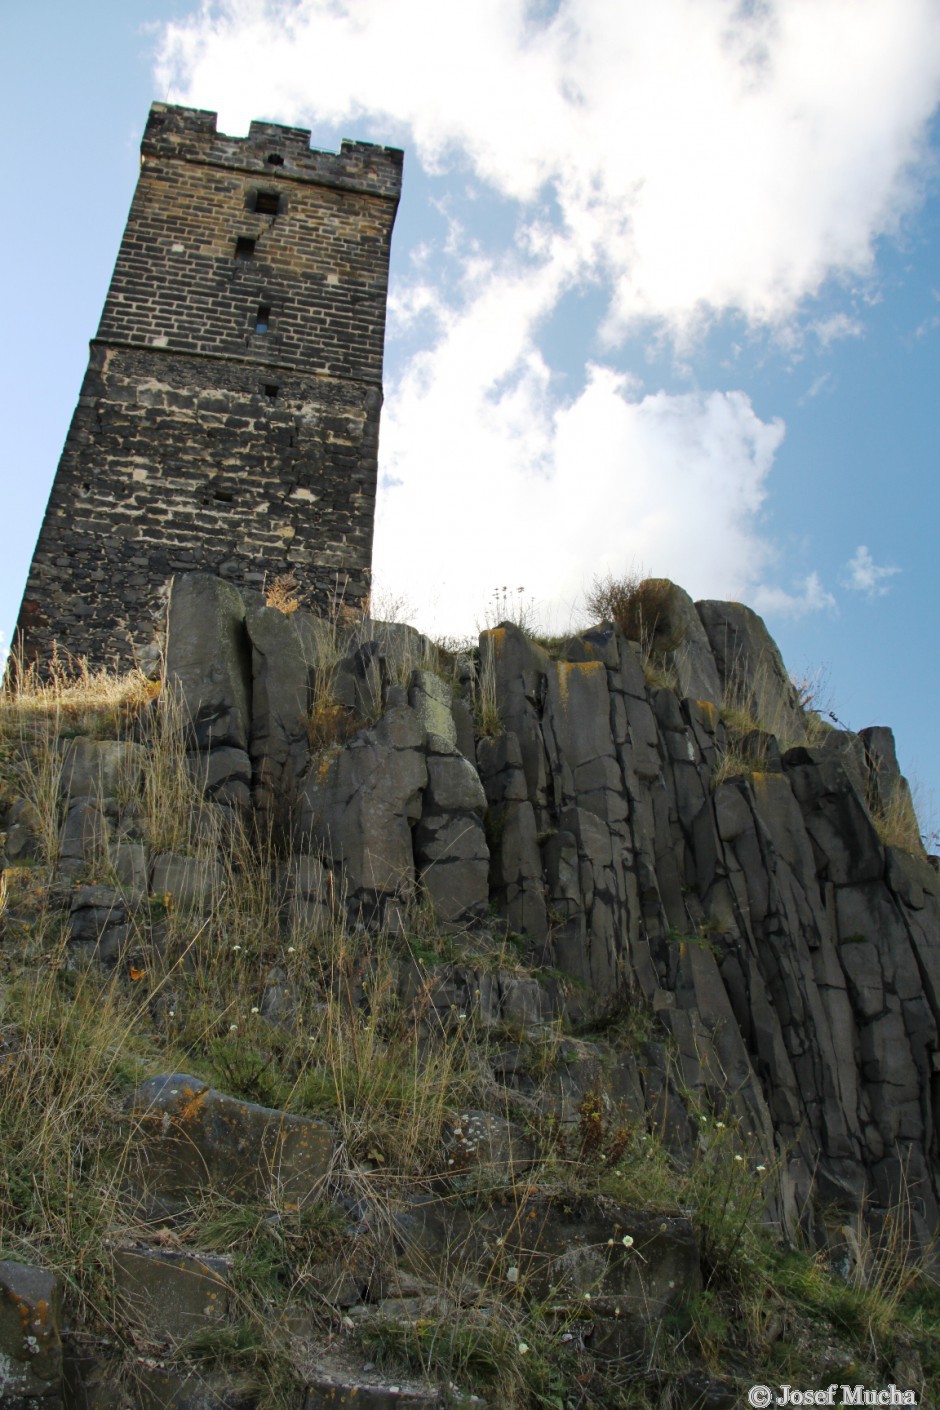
[[229, 418]]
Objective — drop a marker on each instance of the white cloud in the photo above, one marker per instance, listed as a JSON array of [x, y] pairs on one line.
[[680, 160], [809, 596], [546, 494], [705, 155], [838, 326], [865, 575], [819, 385]]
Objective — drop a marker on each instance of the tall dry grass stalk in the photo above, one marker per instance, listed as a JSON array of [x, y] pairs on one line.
[[71, 1047], [179, 816], [895, 818], [486, 702]]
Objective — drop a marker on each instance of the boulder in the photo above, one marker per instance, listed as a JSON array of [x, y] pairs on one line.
[[169, 1294], [191, 1138]]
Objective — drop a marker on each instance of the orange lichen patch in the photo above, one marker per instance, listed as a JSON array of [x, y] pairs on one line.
[[191, 1105], [564, 671], [709, 709], [40, 1318], [764, 781]]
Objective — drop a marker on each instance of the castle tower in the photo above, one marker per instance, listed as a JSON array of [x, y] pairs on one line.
[[228, 421]]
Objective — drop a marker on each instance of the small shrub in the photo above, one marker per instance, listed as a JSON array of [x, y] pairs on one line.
[[327, 723], [639, 607]]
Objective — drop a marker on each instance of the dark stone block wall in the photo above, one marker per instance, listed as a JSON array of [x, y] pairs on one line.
[[228, 421]]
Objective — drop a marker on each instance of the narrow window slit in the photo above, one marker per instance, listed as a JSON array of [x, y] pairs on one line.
[[263, 318], [244, 247]]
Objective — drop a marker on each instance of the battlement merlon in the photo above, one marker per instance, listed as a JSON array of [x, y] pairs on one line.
[[190, 134]]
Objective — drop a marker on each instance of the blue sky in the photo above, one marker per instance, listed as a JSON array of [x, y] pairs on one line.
[[665, 294]]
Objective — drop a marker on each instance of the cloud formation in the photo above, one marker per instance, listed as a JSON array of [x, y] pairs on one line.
[[677, 162], [709, 155], [863, 574]]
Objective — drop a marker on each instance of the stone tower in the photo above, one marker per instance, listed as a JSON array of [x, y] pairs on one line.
[[228, 421]]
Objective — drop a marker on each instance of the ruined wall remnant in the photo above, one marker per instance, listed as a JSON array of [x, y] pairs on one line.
[[228, 421]]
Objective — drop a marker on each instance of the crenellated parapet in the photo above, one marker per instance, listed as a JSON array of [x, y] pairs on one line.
[[190, 134]]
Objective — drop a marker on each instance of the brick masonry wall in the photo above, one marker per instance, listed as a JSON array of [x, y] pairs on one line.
[[200, 442]]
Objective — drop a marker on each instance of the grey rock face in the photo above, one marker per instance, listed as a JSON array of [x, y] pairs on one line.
[[750, 667], [23, 833], [358, 805], [172, 1294], [449, 842], [192, 882], [429, 697], [207, 659], [692, 659], [642, 1263], [99, 768], [224, 774]]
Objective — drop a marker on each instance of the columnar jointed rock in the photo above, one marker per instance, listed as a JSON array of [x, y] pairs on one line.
[[790, 957]]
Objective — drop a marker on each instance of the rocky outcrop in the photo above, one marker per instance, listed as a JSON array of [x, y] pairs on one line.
[[737, 885], [697, 861]]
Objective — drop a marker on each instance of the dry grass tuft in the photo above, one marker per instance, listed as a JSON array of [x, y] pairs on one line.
[[74, 698], [896, 821], [281, 594]]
